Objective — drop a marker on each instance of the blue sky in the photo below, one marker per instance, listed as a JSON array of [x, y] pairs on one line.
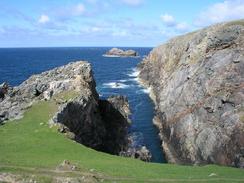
[[49, 23]]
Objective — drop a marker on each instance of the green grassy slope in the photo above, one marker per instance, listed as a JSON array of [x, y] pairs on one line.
[[31, 143]]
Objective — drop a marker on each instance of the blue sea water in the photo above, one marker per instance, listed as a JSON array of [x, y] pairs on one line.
[[113, 76]]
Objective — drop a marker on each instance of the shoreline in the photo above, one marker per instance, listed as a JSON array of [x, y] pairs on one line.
[[164, 147], [167, 150]]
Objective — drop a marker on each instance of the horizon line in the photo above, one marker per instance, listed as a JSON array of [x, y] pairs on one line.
[[79, 47]]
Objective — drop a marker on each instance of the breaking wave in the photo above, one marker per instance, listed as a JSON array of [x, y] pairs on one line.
[[115, 85]]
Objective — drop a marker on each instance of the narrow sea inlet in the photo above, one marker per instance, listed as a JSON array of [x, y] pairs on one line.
[[114, 76]]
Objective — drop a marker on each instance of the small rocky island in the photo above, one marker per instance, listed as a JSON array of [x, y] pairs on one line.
[[85, 118], [116, 52]]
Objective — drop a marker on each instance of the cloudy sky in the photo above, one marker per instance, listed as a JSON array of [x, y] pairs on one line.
[[41, 23]]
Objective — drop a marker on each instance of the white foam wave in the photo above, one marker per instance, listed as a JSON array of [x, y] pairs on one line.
[[134, 73], [144, 90], [148, 90], [123, 80], [115, 85], [135, 79], [110, 56]]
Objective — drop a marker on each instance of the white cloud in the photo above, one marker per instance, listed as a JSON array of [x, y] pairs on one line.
[[96, 29], [92, 1], [168, 34], [219, 12], [182, 26], [168, 20], [132, 2], [79, 9], [44, 19], [2, 30], [174, 26], [120, 33], [65, 13]]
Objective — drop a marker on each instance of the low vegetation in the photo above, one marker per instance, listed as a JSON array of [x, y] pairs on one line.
[[30, 147]]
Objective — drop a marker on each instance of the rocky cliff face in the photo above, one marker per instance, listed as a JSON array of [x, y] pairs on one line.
[[99, 124], [72, 77], [81, 116], [197, 83]]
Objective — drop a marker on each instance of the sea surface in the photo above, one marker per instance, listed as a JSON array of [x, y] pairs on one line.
[[113, 76]]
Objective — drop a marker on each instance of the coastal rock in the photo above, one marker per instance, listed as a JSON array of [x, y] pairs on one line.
[[28, 178], [115, 115], [75, 76], [141, 153], [66, 166], [3, 90], [116, 52], [81, 115], [197, 84], [101, 124]]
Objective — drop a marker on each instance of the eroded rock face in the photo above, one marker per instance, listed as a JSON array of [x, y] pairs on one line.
[[121, 53], [75, 76], [99, 124], [83, 117], [197, 84], [115, 115]]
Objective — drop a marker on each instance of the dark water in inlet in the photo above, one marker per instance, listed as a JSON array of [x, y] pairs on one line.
[[16, 65]]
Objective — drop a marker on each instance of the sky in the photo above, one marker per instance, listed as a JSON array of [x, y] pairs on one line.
[[141, 23]]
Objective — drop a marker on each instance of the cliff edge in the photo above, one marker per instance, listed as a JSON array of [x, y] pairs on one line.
[[80, 115], [197, 84]]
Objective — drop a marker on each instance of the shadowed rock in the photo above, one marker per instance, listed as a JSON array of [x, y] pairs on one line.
[[3, 90]]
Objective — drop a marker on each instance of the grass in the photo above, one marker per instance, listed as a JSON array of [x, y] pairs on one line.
[[31, 143], [236, 22]]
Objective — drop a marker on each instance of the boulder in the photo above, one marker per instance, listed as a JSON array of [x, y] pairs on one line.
[[141, 153], [3, 90]]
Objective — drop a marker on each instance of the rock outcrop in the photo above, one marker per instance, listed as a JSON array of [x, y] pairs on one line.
[[197, 84], [72, 77], [116, 52], [141, 153], [115, 115], [3, 90], [97, 123]]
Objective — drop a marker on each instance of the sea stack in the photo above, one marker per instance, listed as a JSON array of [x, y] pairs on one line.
[[116, 52], [198, 88]]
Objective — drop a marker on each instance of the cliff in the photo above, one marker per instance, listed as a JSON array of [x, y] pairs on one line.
[[196, 82], [74, 77], [80, 114]]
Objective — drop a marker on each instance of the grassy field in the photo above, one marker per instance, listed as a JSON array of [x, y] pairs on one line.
[[29, 146]]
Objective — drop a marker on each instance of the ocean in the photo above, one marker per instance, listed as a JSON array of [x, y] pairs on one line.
[[113, 75]]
